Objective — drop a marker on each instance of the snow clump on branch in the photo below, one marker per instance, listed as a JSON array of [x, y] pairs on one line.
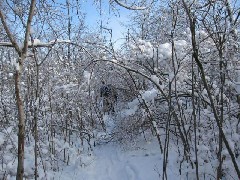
[[145, 48]]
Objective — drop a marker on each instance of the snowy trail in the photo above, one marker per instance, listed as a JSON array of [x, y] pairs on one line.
[[111, 162], [114, 163], [132, 174]]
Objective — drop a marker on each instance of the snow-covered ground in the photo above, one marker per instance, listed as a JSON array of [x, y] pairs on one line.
[[139, 159], [114, 162]]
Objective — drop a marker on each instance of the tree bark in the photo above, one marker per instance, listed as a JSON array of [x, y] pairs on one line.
[[21, 121], [19, 101]]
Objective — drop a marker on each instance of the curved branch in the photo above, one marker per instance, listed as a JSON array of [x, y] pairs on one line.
[[9, 34], [134, 71], [133, 7]]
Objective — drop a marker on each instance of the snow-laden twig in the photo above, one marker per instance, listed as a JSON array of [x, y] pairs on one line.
[[37, 43], [130, 7]]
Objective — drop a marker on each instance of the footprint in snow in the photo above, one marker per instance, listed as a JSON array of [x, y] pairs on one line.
[[131, 173]]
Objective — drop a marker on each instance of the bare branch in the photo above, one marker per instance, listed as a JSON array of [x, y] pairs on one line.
[[9, 44], [9, 34], [29, 21], [132, 7], [6, 44], [206, 85]]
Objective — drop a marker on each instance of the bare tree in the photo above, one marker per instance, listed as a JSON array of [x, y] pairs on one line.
[[22, 53], [192, 24]]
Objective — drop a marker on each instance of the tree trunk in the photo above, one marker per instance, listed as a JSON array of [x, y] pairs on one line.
[[21, 121]]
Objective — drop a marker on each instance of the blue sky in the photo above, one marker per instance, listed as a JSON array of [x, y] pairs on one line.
[[112, 19]]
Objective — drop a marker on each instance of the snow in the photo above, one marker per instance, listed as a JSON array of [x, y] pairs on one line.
[[165, 50], [237, 83], [66, 87], [36, 102], [145, 47], [5, 43], [59, 41], [180, 44], [148, 96], [17, 66], [36, 42], [87, 76], [155, 79], [18, 9], [112, 162], [9, 130], [1, 138], [131, 7]]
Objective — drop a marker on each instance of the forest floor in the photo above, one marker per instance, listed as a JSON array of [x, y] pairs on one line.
[[115, 162], [140, 159]]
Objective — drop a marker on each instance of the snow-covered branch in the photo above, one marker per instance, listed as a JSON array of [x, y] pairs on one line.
[[130, 7], [10, 36], [29, 22], [37, 43]]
